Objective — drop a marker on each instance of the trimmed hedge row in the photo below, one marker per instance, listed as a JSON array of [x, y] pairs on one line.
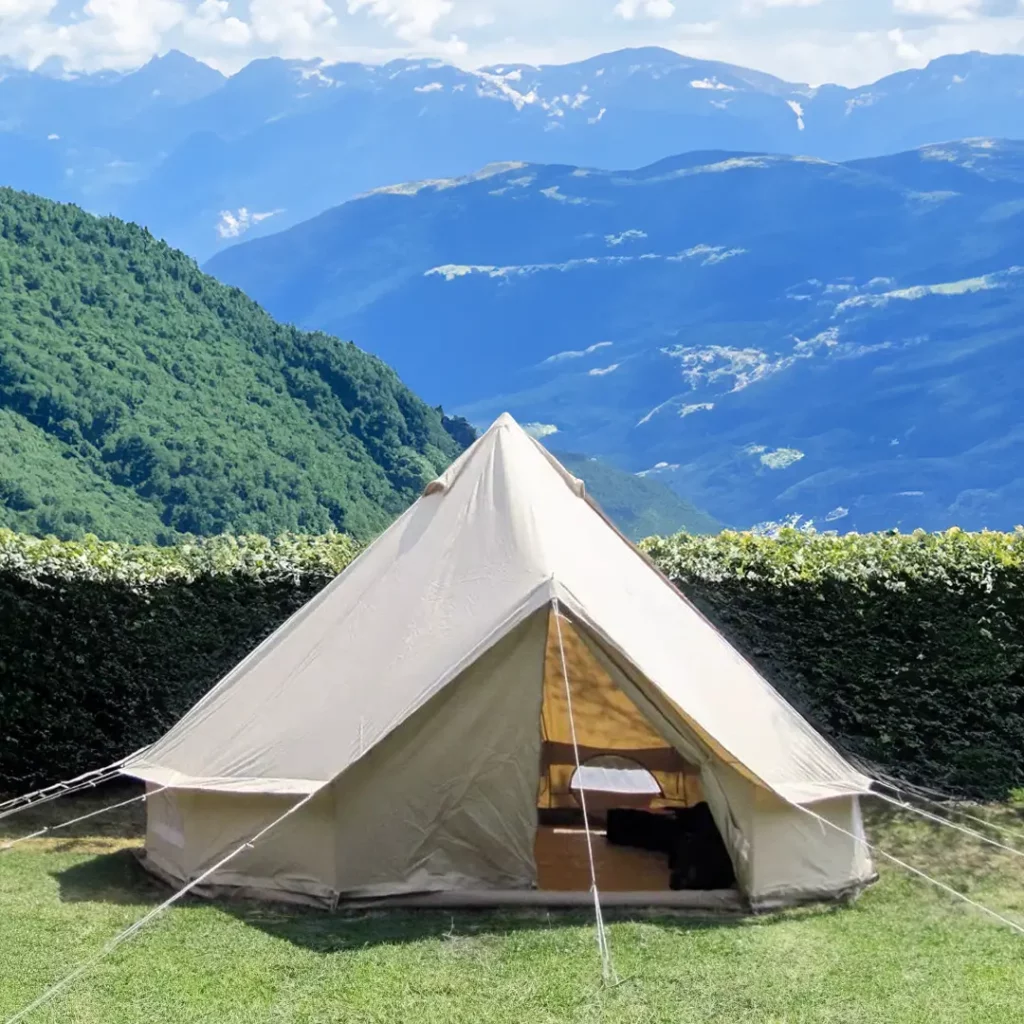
[[907, 650]]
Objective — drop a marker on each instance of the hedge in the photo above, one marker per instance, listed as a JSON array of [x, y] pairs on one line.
[[907, 650]]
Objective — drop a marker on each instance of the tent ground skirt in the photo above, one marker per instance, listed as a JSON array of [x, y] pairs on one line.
[[722, 901], [727, 903]]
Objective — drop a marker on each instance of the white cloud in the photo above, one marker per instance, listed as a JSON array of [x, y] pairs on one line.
[[25, 10], [852, 42], [954, 10], [212, 23], [412, 20], [603, 371], [659, 10], [540, 430], [107, 33], [287, 23], [758, 4]]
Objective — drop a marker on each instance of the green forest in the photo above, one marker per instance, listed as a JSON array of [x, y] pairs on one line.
[[142, 400], [640, 506]]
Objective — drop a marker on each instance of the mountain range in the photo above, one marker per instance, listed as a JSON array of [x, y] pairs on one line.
[[202, 159], [770, 335]]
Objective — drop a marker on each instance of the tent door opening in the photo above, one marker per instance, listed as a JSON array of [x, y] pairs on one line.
[[650, 824]]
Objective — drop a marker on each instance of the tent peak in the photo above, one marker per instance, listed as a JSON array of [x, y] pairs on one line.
[[504, 431], [506, 419]]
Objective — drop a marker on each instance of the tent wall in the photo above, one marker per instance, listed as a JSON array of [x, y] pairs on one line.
[[449, 800], [187, 831], [782, 854]]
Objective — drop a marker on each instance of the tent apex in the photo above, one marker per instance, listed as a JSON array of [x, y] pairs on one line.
[[506, 419]]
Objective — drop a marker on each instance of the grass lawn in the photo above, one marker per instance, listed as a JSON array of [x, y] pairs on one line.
[[904, 953]]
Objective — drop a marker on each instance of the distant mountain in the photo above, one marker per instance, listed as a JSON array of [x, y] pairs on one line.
[[769, 335], [141, 400], [203, 160], [640, 506]]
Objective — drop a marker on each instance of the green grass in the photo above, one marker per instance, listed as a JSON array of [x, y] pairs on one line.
[[903, 953]]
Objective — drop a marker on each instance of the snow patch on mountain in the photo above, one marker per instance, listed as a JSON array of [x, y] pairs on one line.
[[711, 83], [781, 458], [235, 223], [453, 271], [494, 86], [632, 234], [577, 353], [733, 163], [689, 410], [984, 282], [412, 188], [659, 467], [554, 192], [654, 412], [717, 364]]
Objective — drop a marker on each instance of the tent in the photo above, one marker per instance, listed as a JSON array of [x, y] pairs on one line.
[[423, 699]]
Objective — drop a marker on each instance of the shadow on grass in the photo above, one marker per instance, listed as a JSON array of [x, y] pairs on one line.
[[118, 878], [115, 876]]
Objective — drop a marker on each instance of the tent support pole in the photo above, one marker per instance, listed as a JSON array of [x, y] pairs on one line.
[[607, 969]]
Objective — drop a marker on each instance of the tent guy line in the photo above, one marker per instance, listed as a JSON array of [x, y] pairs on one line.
[[87, 780], [607, 968], [950, 805], [69, 979], [917, 871], [952, 824], [77, 821]]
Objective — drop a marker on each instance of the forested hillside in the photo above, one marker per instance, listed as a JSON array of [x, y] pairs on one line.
[[142, 400], [640, 506]]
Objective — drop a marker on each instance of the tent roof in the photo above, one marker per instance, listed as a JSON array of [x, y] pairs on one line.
[[504, 531]]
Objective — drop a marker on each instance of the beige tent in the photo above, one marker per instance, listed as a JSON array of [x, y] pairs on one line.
[[421, 697]]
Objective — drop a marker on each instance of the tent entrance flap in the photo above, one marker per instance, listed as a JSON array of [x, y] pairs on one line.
[[642, 794], [608, 722]]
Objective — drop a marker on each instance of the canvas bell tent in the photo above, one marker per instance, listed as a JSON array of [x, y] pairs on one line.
[[433, 703]]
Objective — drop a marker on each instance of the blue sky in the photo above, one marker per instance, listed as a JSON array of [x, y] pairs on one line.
[[848, 41]]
